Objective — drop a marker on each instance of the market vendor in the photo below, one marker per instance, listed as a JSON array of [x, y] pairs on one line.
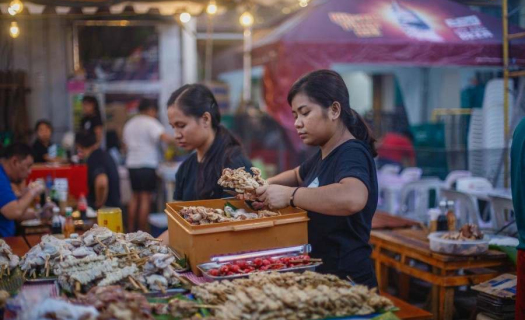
[[338, 184], [194, 114], [15, 167]]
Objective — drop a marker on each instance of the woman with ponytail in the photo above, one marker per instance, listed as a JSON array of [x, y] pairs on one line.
[[194, 114], [338, 185]]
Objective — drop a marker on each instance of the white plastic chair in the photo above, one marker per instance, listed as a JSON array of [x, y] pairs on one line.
[[453, 176], [469, 190], [411, 174], [389, 169], [502, 206], [415, 197], [390, 187]]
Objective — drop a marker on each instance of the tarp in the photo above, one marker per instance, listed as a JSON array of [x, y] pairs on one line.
[[394, 32]]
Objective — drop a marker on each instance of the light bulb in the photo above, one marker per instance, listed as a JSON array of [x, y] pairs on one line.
[[14, 31], [303, 3], [211, 9], [185, 17], [15, 7], [246, 19]]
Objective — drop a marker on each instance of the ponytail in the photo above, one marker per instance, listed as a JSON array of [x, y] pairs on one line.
[[326, 87]]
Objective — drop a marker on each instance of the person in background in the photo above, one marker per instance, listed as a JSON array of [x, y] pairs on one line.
[[194, 114], [337, 186], [396, 148], [15, 167], [103, 178], [44, 131], [141, 136], [91, 118], [517, 175]]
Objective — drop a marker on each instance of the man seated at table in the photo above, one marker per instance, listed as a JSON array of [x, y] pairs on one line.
[[103, 178], [15, 167]]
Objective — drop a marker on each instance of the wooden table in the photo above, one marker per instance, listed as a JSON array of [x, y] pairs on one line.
[[408, 311], [396, 248], [18, 245], [384, 220]]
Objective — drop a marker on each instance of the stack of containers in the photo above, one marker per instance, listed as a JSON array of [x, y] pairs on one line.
[[475, 143]]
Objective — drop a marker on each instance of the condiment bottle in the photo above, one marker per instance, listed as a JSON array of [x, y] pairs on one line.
[[442, 222], [434, 214], [69, 226], [56, 224], [451, 216], [82, 206]]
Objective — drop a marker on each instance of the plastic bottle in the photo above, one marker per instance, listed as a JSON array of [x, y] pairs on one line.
[[82, 206], [451, 216], [442, 222], [69, 226], [56, 224], [434, 214]]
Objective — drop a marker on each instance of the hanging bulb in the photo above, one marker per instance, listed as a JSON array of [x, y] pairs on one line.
[[303, 3], [15, 7], [211, 9], [246, 19], [14, 31], [185, 17]]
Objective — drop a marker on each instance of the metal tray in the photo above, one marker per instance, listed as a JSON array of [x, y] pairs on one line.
[[217, 262]]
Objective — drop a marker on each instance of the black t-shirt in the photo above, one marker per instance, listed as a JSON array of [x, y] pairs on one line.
[[188, 172], [342, 242], [39, 151], [100, 162], [88, 123]]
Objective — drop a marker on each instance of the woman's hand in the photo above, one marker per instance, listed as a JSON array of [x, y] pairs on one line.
[[275, 196]]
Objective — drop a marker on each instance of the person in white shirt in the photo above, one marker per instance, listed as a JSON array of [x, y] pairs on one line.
[[142, 135]]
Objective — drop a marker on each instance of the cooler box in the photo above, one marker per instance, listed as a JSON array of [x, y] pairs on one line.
[[201, 242]]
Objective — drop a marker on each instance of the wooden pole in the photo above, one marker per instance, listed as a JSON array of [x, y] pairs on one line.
[[505, 22]]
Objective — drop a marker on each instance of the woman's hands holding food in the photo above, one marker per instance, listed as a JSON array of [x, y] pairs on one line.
[[274, 196]]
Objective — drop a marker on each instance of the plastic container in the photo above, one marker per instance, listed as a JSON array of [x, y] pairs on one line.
[[199, 243], [457, 247]]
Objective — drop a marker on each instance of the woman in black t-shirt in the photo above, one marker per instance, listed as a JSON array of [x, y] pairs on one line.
[[194, 114], [44, 131], [338, 185], [91, 119]]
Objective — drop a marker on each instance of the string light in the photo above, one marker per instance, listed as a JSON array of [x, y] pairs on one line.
[[246, 19], [303, 3], [15, 7], [185, 17], [211, 9], [14, 31]]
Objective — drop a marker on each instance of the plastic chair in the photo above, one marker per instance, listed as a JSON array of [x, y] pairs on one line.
[[469, 190], [411, 174], [453, 176], [415, 198], [502, 206], [389, 169]]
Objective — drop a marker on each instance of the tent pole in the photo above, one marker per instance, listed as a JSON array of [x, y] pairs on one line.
[[247, 62], [505, 22], [209, 49]]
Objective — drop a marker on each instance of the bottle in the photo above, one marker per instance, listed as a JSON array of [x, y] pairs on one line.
[[54, 195], [56, 224], [82, 206], [442, 223], [451, 216], [69, 226], [434, 214]]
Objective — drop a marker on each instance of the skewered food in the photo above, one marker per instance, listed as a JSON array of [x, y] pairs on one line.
[[466, 233], [8, 260], [241, 181], [261, 264], [100, 258], [4, 295], [290, 296], [58, 309], [202, 215]]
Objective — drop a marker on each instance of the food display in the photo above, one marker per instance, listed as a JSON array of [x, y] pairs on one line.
[[113, 302], [8, 260], [241, 181], [101, 258], [468, 232], [243, 268], [290, 296], [203, 216], [468, 241]]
